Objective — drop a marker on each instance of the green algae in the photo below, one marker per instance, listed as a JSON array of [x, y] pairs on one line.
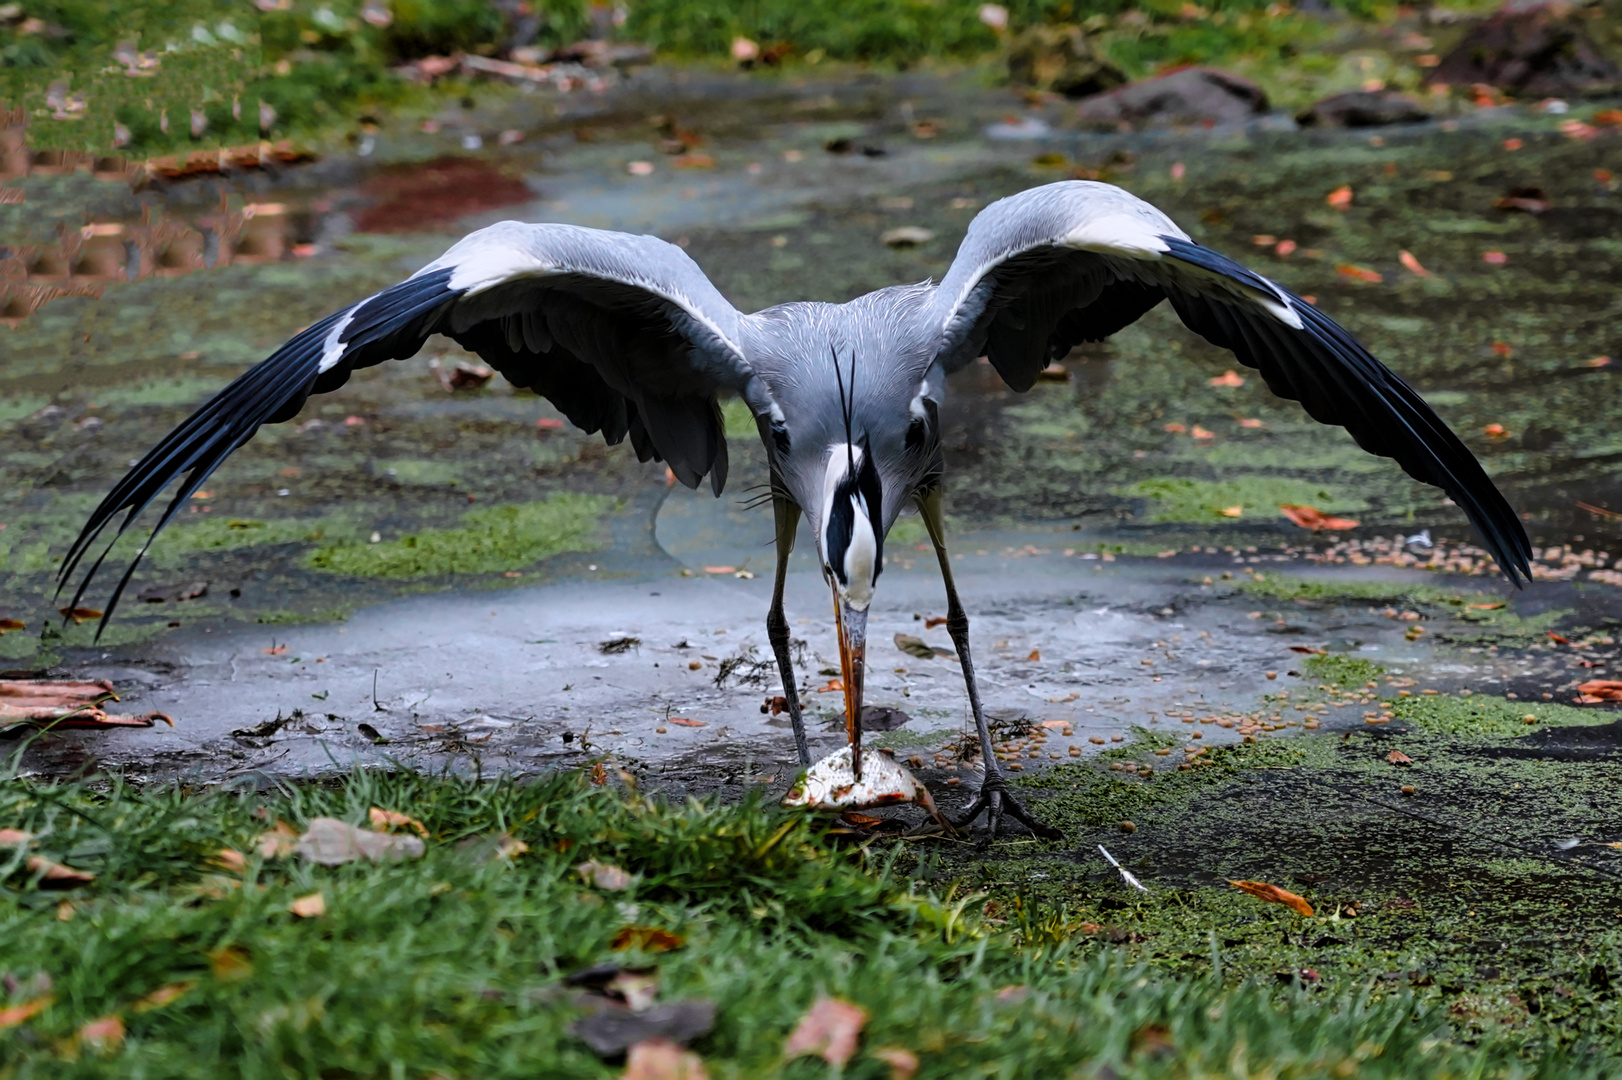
[[1340, 670], [489, 540], [1488, 716], [1286, 587], [1173, 498]]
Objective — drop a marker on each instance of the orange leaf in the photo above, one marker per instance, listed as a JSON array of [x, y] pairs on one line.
[[1602, 689], [930, 624], [162, 996], [1556, 638], [1036, 654], [79, 614], [384, 820], [1309, 650], [274, 650], [1599, 510], [278, 843], [308, 907], [1494, 431], [1247, 422], [1231, 511], [1227, 378], [1358, 273], [1494, 258], [18, 1013], [7, 625], [104, 1034], [903, 1062], [1175, 428], [1494, 606], [829, 1030], [684, 722], [1274, 895], [57, 873], [1340, 198], [1311, 518], [1201, 433], [648, 939], [1411, 264], [832, 686], [1397, 757], [720, 569], [861, 821], [230, 859]]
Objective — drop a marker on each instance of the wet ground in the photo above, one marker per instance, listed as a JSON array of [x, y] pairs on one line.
[[780, 189]]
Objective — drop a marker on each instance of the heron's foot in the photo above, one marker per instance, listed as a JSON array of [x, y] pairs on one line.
[[995, 798]]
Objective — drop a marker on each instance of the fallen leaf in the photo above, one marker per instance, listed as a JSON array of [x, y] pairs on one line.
[[1411, 264], [1227, 378], [104, 1034], [274, 650], [1493, 606], [230, 963], [903, 1063], [1602, 689], [1274, 895], [1201, 433], [1397, 757], [1359, 273], [384, 820], [1231, 511], [605, 876], [162, 996], [331, 842], [1175, 428], [1308, 650], [829, 1030], [16, 1014], [831, 686], [13, 837], [860, 820], [1311, 518], [1528, 200], [1494, 258], [1599, 362], [930, 624], [1598, 510], [1495, 431], [661, 1059], [599, 775], [1556, 638], [1036, 654], [278, 843], [8, 625], [682, 721], [1340, 198], [913, 646], [231, 859], [1247, 422], [720, 569], [79, 614], [54, 874], [308, 907], [647, 938]]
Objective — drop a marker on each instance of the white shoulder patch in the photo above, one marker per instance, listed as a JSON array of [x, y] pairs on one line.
[[487, 267], [1117, 234], [332, 349]]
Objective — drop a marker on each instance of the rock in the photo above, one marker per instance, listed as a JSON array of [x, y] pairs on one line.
[[1363, 108], [1530, 49], [1194, 96], [1064, 59]]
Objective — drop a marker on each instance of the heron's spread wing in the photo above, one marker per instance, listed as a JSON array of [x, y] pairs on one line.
[[624, 334], [1045, 269]]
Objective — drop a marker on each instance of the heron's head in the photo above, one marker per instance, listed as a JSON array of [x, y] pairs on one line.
[[850, 539]]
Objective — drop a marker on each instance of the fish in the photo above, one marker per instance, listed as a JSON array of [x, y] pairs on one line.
[[831, 784]]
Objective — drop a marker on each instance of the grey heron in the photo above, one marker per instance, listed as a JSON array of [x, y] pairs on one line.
[[626, 336]]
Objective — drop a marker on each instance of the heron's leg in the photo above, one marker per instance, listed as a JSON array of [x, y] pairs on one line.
[[788, 520], [993, 796]]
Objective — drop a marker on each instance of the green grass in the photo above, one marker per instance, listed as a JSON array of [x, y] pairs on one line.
[[497, 538], [451, 965]]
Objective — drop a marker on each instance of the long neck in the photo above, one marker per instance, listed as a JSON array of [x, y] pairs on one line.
[[852, 510]]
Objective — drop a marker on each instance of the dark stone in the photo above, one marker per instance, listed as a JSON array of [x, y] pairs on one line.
[[1363, 108], [882, 718], [1529, 49], [1201, 97], [610, 1029]]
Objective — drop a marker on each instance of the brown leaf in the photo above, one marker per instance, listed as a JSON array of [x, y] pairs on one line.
[[1312, 518], [661, 1059], [331, 842], [939, 620], [829, 1030], [1227, 378], [386, 820], [913, 646], [162, 996], [1602, 689], [230, 859], [831, 686], [278, 843], [605, 876], [1274, 895], [1359, 273], [55, 874], [16, 1014], [682, 721], [1036, 654], [1308, 650], [1494, 606], [104, 1034], [1397, 757], [308, 907], [648, 939], [79, 614], [861, 821], [230, 963], [7, 625], [903, 1063]]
